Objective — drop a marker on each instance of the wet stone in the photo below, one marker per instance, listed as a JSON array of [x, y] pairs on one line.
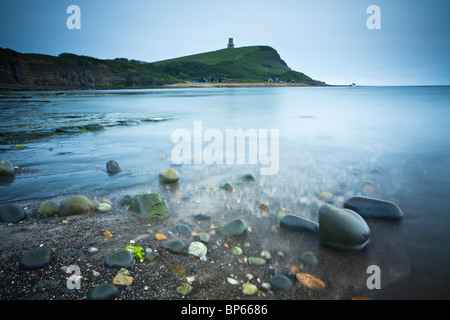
[[169, 176], [281, 282], [257, 261], [183, 228], [120, 259], [76, 205], [198, 249], [149, 206], [342, 229], [104, 291], [294, 222], [124, 201], [175, 245], [374, 208], [36, 258], [309, 259], [11, 213], [249, 289], [113, 167], [234, 228], [6, 168], [47, 208]]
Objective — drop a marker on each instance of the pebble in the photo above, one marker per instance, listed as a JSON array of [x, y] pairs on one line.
[[257, 261], [198, 249], [232, 281], [113, 167], [281, 282], [6, 168], [76, 205], [121, 279], [36, 258], [294, 222], [104, 291], [92, 250], [310, 281], [120, 259], [12, 213], [147, 206], [374, 208], [236, 251], [124, 200], [266, 254], [342, 229], [204, 237], [47, 208], [169, 176], [175, 245], [104, 207], [183, 228], [309, 259], [249, 289], [234, 228]]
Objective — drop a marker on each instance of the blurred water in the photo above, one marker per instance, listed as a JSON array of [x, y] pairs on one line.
[[386, 142]]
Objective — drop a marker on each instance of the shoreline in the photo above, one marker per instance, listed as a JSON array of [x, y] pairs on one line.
[[18, 88]]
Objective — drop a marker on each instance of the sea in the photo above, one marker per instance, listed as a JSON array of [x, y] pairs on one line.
[[305, 146]]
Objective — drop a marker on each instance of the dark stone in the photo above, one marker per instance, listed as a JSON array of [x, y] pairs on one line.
[[183, 229], [6, 168], [342, 229], [309, 259], [11, 213], [374, 208], [47, 208], [281, 282], [175, 245], [112, 166], [234, 228], [36, 258], [125, 200], [294, 222], [120, 259], [104, 291]]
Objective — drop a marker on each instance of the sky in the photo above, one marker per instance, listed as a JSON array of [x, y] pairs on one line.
[[328, 40]]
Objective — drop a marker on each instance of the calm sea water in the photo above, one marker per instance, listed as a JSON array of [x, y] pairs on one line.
[[386, 142]]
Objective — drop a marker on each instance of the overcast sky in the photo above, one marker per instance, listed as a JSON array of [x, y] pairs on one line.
[[326, 39]]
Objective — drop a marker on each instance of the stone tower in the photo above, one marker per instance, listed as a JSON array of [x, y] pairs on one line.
[[230, 43]]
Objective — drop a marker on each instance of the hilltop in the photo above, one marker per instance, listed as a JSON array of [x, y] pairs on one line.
[[253, 64]]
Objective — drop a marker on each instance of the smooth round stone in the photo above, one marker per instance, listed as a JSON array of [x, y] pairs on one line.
[[104, 207], [120, 259], [104, 291], [198, 249], [234, 228], [169, 176], [36, 258], [249, 289], [204, 237], [309, 259], [112, 166], [342, 229], [281, 282], [147, 206], [247, 178], [294, 222], [256, 260], [75, 205], [374, 208], [236, 251], [175, 245], [6, 168], [12, 213], [47, 208], [183, 229]]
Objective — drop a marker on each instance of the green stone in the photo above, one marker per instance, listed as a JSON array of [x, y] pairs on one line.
[[234, 228], [308, 259], [256, 260], [47, 208], [112, 166], [236, 251], [76, 205], [169, 176], [184, 289], [149, 206], [249, 289]]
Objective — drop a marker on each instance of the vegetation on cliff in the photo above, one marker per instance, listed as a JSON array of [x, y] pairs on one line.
[[70, 71]]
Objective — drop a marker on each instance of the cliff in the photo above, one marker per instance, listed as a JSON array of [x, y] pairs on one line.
[[68, 71]]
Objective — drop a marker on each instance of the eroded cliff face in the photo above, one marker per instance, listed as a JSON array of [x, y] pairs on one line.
[[36, 72]]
